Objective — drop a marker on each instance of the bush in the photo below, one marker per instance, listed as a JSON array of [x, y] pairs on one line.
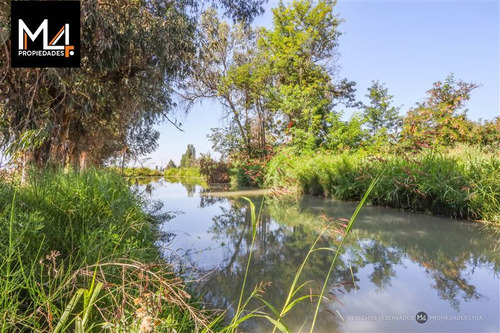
[[138, 172], [214, 172], [182, 173], [249, 172]]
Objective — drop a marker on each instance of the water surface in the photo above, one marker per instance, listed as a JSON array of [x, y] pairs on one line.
[[395, 265]]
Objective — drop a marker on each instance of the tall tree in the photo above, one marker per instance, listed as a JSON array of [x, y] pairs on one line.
[[301, 49], [242, 10], [441, 119], [171, 165], [224, 70], [132, 52], [188, 159], [487, 133], [381, 117], [271, 83]]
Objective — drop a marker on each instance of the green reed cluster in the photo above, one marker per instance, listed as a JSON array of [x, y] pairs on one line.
[[461, 183]]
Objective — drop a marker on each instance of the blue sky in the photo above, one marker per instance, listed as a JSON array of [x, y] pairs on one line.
[[406, 44]]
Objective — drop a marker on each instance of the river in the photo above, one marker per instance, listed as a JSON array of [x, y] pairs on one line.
[[395, 264]]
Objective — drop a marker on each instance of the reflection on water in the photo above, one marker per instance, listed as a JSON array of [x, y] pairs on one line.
[[395, 264]]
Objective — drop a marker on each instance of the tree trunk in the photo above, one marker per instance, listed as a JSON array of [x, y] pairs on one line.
[[83, 161]]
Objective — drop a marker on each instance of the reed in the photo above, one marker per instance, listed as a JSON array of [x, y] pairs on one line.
[[461, 183]]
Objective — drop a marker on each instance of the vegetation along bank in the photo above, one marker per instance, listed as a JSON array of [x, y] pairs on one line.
[[79, 253], [461, 183]]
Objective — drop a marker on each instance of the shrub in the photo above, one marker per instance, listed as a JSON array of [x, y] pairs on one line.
[[249, 172], [182, 173], [214, 172]]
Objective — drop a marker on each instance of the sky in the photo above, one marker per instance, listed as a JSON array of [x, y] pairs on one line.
[[407, 45]]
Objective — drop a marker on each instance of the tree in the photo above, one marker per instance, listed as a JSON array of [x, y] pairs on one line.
[[346, 135], [243, 10], [382, 119], [132, 52], [486, 133], [441, 119], [188, 159], [273, 84], [300, 50], [171, 165], [223, 70]]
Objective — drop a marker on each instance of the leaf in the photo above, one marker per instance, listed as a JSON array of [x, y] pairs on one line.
[[278, 325], [68, 310]]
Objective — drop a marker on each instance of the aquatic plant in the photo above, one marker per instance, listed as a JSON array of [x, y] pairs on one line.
[[460, 183]]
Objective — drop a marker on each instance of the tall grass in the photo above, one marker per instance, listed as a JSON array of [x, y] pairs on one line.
[[77, 253], [463, 183]]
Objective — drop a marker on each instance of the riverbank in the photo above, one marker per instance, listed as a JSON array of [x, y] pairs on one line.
[[78, 252], [461, 183], [138, 172], [456, 262], [182, 173]]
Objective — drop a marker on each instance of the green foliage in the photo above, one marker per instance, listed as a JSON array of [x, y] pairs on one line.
[[171, 165], [345, 135], [297, 49], [188, 159], [69, 207], [138, 172], [274, 85], [249, 172], [226, 70], [382, 119], [132, 51], [64, 238], [441, 120], [487, 133], [214, 172], [278, 88], [243, 10], [461, 183], [182, 173]]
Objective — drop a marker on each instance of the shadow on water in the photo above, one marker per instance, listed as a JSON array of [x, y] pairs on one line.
[[394, 263]]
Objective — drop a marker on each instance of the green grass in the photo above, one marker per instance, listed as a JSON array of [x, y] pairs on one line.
[[138, 172], [182, 173], [462, 183], [78, 254]]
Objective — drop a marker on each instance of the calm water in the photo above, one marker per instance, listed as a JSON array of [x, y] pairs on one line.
[[396, 264]]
